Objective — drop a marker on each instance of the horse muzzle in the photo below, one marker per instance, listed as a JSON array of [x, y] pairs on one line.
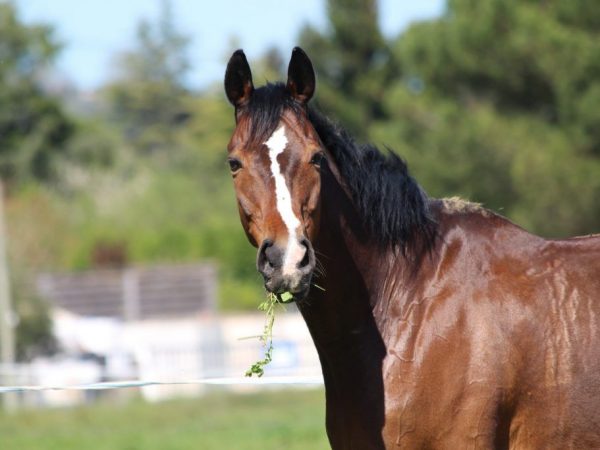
[[287, 268]]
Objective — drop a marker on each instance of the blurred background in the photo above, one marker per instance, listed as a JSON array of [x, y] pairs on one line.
[[121, 254]]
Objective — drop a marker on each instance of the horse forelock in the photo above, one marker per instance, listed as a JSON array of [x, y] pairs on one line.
[[265, 109]]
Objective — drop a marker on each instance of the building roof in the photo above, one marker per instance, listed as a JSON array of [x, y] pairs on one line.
[[133, 293]]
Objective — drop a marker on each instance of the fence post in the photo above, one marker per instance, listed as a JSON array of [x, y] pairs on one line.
[[7, 318], [131, 294]]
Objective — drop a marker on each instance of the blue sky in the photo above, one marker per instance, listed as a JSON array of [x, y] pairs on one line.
[[93, 31]]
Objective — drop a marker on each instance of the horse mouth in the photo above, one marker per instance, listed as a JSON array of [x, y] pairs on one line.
[[287, 277], [286, 295]]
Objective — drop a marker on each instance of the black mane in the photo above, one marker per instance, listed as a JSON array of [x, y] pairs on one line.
[[393, 207]]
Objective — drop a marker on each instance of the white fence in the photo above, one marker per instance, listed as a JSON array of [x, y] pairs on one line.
[[170, 351]]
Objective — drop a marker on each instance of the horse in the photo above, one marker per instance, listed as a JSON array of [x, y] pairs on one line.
[[439, 324]]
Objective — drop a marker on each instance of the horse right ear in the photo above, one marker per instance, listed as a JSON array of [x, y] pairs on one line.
[[238, 80]]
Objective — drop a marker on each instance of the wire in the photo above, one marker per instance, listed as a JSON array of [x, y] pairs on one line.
[[287, 380]]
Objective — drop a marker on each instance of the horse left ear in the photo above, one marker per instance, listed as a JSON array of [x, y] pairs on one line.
[[301, 76]]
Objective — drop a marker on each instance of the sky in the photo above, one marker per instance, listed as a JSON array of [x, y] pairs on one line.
[[93, 31]]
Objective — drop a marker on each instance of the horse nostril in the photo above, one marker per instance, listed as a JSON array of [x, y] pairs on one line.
[[305, 260], [263, 263], [308, 258]]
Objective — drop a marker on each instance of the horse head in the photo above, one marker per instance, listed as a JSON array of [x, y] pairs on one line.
[[275, 157]]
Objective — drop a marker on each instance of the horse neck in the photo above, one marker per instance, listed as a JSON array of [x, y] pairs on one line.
[[341, 320], [343, 313]]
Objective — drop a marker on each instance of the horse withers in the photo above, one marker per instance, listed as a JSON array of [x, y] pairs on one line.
[[440, 324]]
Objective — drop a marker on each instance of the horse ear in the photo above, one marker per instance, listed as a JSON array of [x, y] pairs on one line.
[[301, 76], [238, 79]]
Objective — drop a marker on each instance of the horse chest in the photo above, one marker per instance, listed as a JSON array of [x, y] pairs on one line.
[[424, 411], [438, 395]]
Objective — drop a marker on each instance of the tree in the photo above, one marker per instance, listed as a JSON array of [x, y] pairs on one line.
[[498, 102], [147, 99], [353, 61], [39, 142], [34, 130]]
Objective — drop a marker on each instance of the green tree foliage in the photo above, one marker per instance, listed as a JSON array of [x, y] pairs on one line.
[[353, 63], [148, 98], [34, 137], [180, 210], [41, 147], [177, 202], [496, 103], [33, 126]]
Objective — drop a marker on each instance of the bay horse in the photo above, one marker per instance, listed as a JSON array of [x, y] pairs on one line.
[[440, 325]]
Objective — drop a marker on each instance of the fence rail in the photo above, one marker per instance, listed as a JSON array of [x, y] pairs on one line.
[[222, 381]]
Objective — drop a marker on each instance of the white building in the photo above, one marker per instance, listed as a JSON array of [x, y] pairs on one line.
[[159, 324]]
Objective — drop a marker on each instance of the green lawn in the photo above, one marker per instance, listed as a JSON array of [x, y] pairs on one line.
[[260, 421]]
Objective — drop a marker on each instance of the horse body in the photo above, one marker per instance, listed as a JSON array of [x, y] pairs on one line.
[[441, 325], [509, 357]]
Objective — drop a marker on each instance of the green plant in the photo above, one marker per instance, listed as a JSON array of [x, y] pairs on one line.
[[268, 306]]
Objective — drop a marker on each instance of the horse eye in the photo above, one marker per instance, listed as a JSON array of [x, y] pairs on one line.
[[234, 164], [317, 158]]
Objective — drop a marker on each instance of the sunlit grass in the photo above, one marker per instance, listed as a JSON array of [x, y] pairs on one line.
[[259, 421]]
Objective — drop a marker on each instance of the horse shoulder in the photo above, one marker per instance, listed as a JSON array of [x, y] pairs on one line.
[[500, 336]]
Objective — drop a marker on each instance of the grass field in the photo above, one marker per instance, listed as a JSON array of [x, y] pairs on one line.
[[259, 421]]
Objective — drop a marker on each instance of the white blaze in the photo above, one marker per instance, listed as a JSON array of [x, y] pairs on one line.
[[294, 252]]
